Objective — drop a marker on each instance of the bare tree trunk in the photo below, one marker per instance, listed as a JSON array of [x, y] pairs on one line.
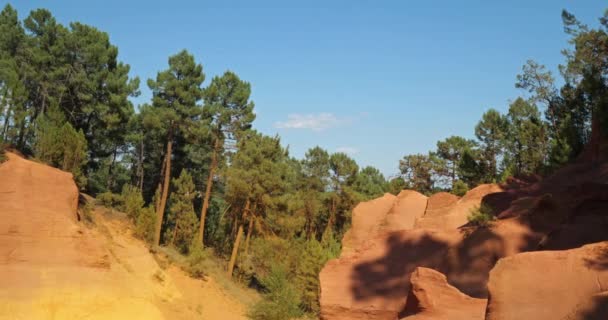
[[174, 233], [141, 166], [7, 116], [163, 199], [212, 168], [159, 188], [332, 214], [235, 248], [110, 181], [249, 232], [596, 136]]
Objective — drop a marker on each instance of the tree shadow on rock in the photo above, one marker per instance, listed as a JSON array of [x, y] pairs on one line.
[[388, 277]]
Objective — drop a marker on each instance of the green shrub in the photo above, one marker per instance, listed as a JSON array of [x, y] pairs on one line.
[[182, 209], [85, 209], [310, 263], [196, 260], [110, 200], [60, 145], [460, 188], [2, 151], [145, 224], [481, 216], [132, 201], [281, 301]]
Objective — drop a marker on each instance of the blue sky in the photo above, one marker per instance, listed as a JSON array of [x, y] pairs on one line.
[[376, 79]]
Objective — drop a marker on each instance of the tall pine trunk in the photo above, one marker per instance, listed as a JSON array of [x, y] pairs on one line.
[[250, 227], [237, 242], [212, 168], [7, 117], [596, 136], [110, 182], [165, 192], [140, 165]]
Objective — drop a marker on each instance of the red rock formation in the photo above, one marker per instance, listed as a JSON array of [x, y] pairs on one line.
[[373, 283], [550, 285], [563, 211], [381, 215], [453, 215], [38, 212], [431, 298]]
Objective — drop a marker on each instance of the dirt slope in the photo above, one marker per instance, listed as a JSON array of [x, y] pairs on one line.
[[54, 268]]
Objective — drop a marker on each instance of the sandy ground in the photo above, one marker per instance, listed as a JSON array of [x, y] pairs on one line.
[[53, 267]]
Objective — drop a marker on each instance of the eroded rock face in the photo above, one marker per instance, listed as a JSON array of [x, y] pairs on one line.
[[371, 279], [431, 297], [449, 215], [38, 212], [565, 284], [562, 212], [374, 282], [385, 214]]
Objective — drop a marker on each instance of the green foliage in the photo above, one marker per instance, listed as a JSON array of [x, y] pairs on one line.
[[86, 211], [60, 145], [197, 260], [452, 150], [132, 201], [370, 183], [396, 185], [311, 261], [182, 210], [2, 152], [110, 200], [459, 188], [281, 302], [481, 216], [526, 145], [491, 131], [144, 226], [421, 171]]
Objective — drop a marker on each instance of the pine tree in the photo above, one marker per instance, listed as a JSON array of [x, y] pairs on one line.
[[526, 141], [229, 113], [491, 132], [451, 151], [175, 94], [182, 210]]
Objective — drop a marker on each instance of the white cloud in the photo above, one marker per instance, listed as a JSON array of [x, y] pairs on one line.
[[315, 122], [348, 150]]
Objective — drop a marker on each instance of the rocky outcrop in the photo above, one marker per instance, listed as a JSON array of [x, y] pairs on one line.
[[565, 284], [563, 214], [447, 214], [374, 282], [38, 207], [432, 297], [392, 235], [385, 214]]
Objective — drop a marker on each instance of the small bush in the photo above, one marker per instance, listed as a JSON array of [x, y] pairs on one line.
[[85, 209], [144, 227], [110, 200], [281, 302], [132, 201], [481, 216], [196, 261], [460, 188]]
